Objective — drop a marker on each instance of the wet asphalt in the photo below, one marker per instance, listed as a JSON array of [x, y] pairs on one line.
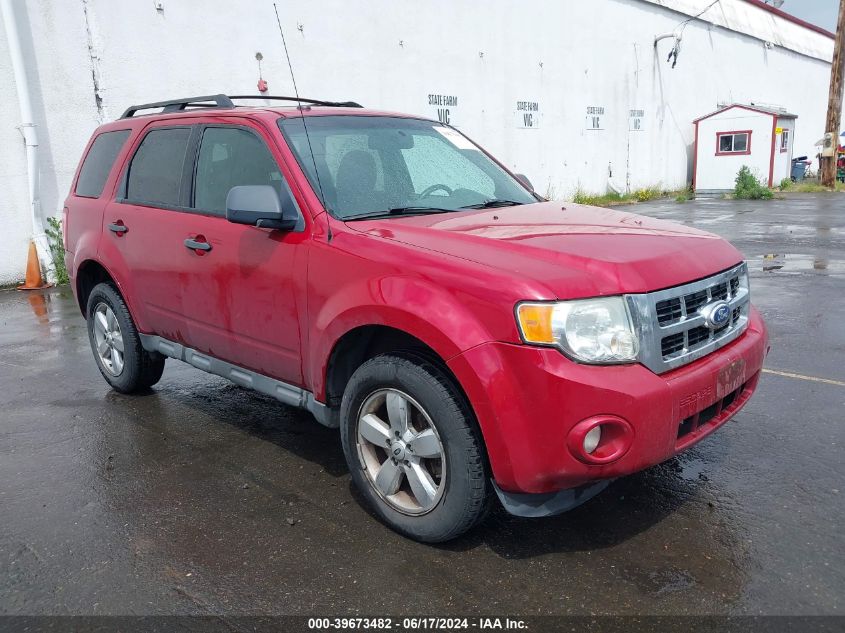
[[200, 497]]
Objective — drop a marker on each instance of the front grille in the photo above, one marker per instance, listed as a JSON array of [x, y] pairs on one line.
[[719, 291], [674, 331], [695, 300], [672, 344], [669, 311], [734, 285], [696, 335]]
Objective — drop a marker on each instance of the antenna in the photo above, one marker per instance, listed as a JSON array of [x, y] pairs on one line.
[[302, 114]]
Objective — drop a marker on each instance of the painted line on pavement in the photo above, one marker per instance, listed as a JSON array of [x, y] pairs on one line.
[[789, 374]]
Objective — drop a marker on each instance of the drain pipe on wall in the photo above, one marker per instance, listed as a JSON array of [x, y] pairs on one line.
[[27, 128], [611, 184]]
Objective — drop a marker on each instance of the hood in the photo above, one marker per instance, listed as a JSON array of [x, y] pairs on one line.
[[572, 250]]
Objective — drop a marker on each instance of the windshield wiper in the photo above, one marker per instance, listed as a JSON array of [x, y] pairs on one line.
[[493, 203], [398, 211]]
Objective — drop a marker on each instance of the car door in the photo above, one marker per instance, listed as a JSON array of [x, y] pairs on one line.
[[142, 224], [244, 292]]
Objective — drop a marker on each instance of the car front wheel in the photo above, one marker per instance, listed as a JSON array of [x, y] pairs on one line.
[[412, 448]]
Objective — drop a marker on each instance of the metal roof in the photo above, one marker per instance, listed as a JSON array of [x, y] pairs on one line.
[[756, 19], [777, 112], [791, 18]]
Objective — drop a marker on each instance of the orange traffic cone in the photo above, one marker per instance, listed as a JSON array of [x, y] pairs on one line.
[[34, 280]]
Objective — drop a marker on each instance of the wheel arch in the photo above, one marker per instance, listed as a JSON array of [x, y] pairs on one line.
[[364, 342], [91, 272]]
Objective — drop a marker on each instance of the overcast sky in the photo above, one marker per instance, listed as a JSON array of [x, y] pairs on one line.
[[820, 12]]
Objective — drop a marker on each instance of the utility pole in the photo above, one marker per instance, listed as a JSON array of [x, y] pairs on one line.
[[834, 104]]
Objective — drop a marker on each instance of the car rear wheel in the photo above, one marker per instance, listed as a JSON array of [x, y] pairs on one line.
[[121, 359], [412, 448]]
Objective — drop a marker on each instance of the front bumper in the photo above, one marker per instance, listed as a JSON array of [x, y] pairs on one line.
[[528, 399]]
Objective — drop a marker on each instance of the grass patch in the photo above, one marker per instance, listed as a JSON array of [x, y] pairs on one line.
[[601, 200], [813, 186], [682, 195], [611, 198], [649, 193]]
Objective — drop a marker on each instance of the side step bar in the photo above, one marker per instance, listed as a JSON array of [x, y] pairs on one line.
[[281, 391]]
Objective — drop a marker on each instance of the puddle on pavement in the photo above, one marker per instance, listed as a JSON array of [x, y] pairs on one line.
[[796, 262], [38, 304]]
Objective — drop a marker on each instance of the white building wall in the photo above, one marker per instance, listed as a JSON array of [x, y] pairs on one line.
[[567, 57], [718, 172]]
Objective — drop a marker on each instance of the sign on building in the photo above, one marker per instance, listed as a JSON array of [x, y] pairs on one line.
[[595, 118], [444, 107], [636, 120], [528, 115]]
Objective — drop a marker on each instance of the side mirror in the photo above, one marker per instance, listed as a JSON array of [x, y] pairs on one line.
[[261, 206], [524, 180]]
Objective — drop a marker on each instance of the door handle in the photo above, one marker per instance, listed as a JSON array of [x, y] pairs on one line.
[[196, 245], [118, 227]]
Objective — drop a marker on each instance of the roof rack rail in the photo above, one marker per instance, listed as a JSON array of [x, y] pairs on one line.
[[333, 104], [179, 105], [224, 101]]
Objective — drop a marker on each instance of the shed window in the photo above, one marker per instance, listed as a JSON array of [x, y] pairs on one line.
[[784, 140], [733, 142]]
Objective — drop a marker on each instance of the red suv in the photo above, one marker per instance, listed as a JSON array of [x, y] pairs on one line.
[[469, 338]]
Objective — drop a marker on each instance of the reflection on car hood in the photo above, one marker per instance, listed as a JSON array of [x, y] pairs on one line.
[[574, 250]]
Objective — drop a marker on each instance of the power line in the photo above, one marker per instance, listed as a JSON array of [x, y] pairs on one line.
[[683, 24]]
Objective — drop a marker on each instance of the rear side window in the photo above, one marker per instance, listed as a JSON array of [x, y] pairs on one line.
[[155, 175], [98, 163], [229, 157]]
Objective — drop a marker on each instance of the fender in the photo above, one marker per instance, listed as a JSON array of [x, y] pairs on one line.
[[85, 250], [396, 301], [122, 286]]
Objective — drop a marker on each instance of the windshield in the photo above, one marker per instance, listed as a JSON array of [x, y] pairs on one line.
[[373, 165]]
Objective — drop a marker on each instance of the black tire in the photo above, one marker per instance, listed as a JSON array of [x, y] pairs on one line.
[[141, 369], [466, 492]]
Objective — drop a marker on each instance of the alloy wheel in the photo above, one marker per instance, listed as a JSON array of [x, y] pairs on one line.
[[108, 339], [401, 451]]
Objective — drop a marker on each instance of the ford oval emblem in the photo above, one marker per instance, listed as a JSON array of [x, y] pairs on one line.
[[716, 314]]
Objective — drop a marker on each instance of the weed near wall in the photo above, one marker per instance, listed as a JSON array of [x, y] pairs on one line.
[[57, 250]]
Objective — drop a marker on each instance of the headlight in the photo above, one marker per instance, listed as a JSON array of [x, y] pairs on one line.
[[589, 330]]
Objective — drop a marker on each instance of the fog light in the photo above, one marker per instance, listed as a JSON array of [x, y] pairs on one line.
[[600, 439], [592, 439]]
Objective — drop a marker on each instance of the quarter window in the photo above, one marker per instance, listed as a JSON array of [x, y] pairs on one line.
[[229, 157], [733, 142], [98, 163], [155, 175]]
